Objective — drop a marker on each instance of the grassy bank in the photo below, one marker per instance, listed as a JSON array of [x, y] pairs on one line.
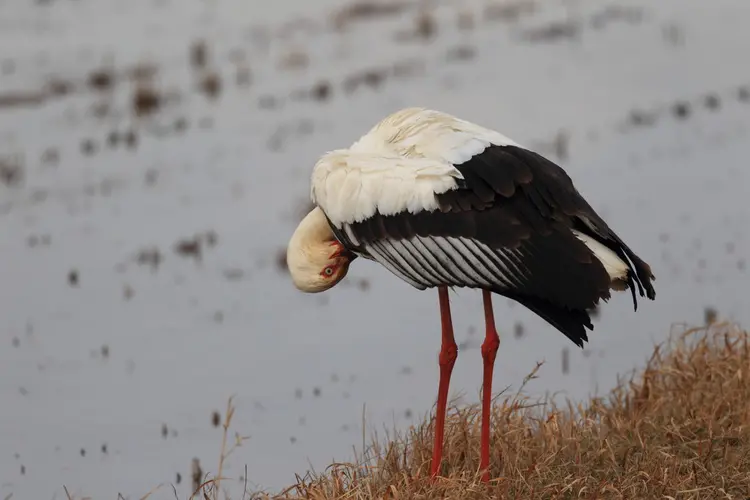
[[679, 428]]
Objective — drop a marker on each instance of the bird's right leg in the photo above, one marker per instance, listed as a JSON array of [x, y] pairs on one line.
[[489, 351], [448, 355]]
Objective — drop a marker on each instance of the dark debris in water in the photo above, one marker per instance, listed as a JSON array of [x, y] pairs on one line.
[[372, 78], [461, 53], [243, 76], [151, 257], [408, 68], [465, 21], [287, 132], [101, 109], [146, 100], [673, 34], [12, 99], [142, 72], [193, 246], [424, 28], [553, 32], [617, 13], [363, 284], [218, 317], [712, 101], [189, 247], [211, 238], [321, 91], [681, 110], [131, 139], [199, 54], [510, 11], [11, 171], [640, 118], [102, 79], [233, 274], [368, 10], [57, 87], [196, 474], [113, 138], [210, 85], [180, 124], [710, 315], [50, 157], [151, 176], [88, 147], [294, 60], [281, 264], [73, 278]]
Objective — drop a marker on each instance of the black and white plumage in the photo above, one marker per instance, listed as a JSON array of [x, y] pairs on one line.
[[439, 201]]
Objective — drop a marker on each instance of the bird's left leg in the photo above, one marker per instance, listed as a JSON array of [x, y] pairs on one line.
[[489, 350], [447, 358]]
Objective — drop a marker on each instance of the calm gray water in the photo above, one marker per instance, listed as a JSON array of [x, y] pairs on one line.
[[100, 350]]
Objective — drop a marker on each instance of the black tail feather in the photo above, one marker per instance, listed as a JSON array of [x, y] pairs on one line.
[[571, 322], [642, 271]]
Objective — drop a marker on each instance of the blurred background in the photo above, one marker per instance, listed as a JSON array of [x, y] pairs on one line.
[[155, 158]]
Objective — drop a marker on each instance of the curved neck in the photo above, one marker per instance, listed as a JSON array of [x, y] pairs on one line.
[[313, 229]]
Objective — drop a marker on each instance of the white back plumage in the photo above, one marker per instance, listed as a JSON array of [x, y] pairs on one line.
[[399, 165]]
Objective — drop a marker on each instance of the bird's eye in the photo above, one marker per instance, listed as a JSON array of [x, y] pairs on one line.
[[328, 271]]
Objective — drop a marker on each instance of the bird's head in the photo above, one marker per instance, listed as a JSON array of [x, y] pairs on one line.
[[316, 260]]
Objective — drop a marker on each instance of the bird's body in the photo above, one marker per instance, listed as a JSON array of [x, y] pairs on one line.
[[442, 202]]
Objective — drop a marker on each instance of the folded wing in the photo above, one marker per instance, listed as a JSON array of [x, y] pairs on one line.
[[442, 202]]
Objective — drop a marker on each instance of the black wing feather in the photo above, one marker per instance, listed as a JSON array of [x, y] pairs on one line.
[[506, 228]]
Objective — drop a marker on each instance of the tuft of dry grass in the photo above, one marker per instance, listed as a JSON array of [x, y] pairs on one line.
[[679, 428], [210, 488]]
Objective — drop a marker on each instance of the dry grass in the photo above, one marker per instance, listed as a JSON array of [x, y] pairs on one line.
[[210, 489], [678, 429]]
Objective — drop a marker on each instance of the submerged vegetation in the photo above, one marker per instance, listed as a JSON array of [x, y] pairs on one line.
[[678, 428]]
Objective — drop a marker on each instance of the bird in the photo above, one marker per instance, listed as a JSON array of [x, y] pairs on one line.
[[444, 203]]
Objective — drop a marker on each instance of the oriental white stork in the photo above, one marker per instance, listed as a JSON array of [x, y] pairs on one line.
[[442, 202]]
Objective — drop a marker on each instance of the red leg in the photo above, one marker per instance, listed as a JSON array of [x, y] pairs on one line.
[[489, 350], [448, 355]]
